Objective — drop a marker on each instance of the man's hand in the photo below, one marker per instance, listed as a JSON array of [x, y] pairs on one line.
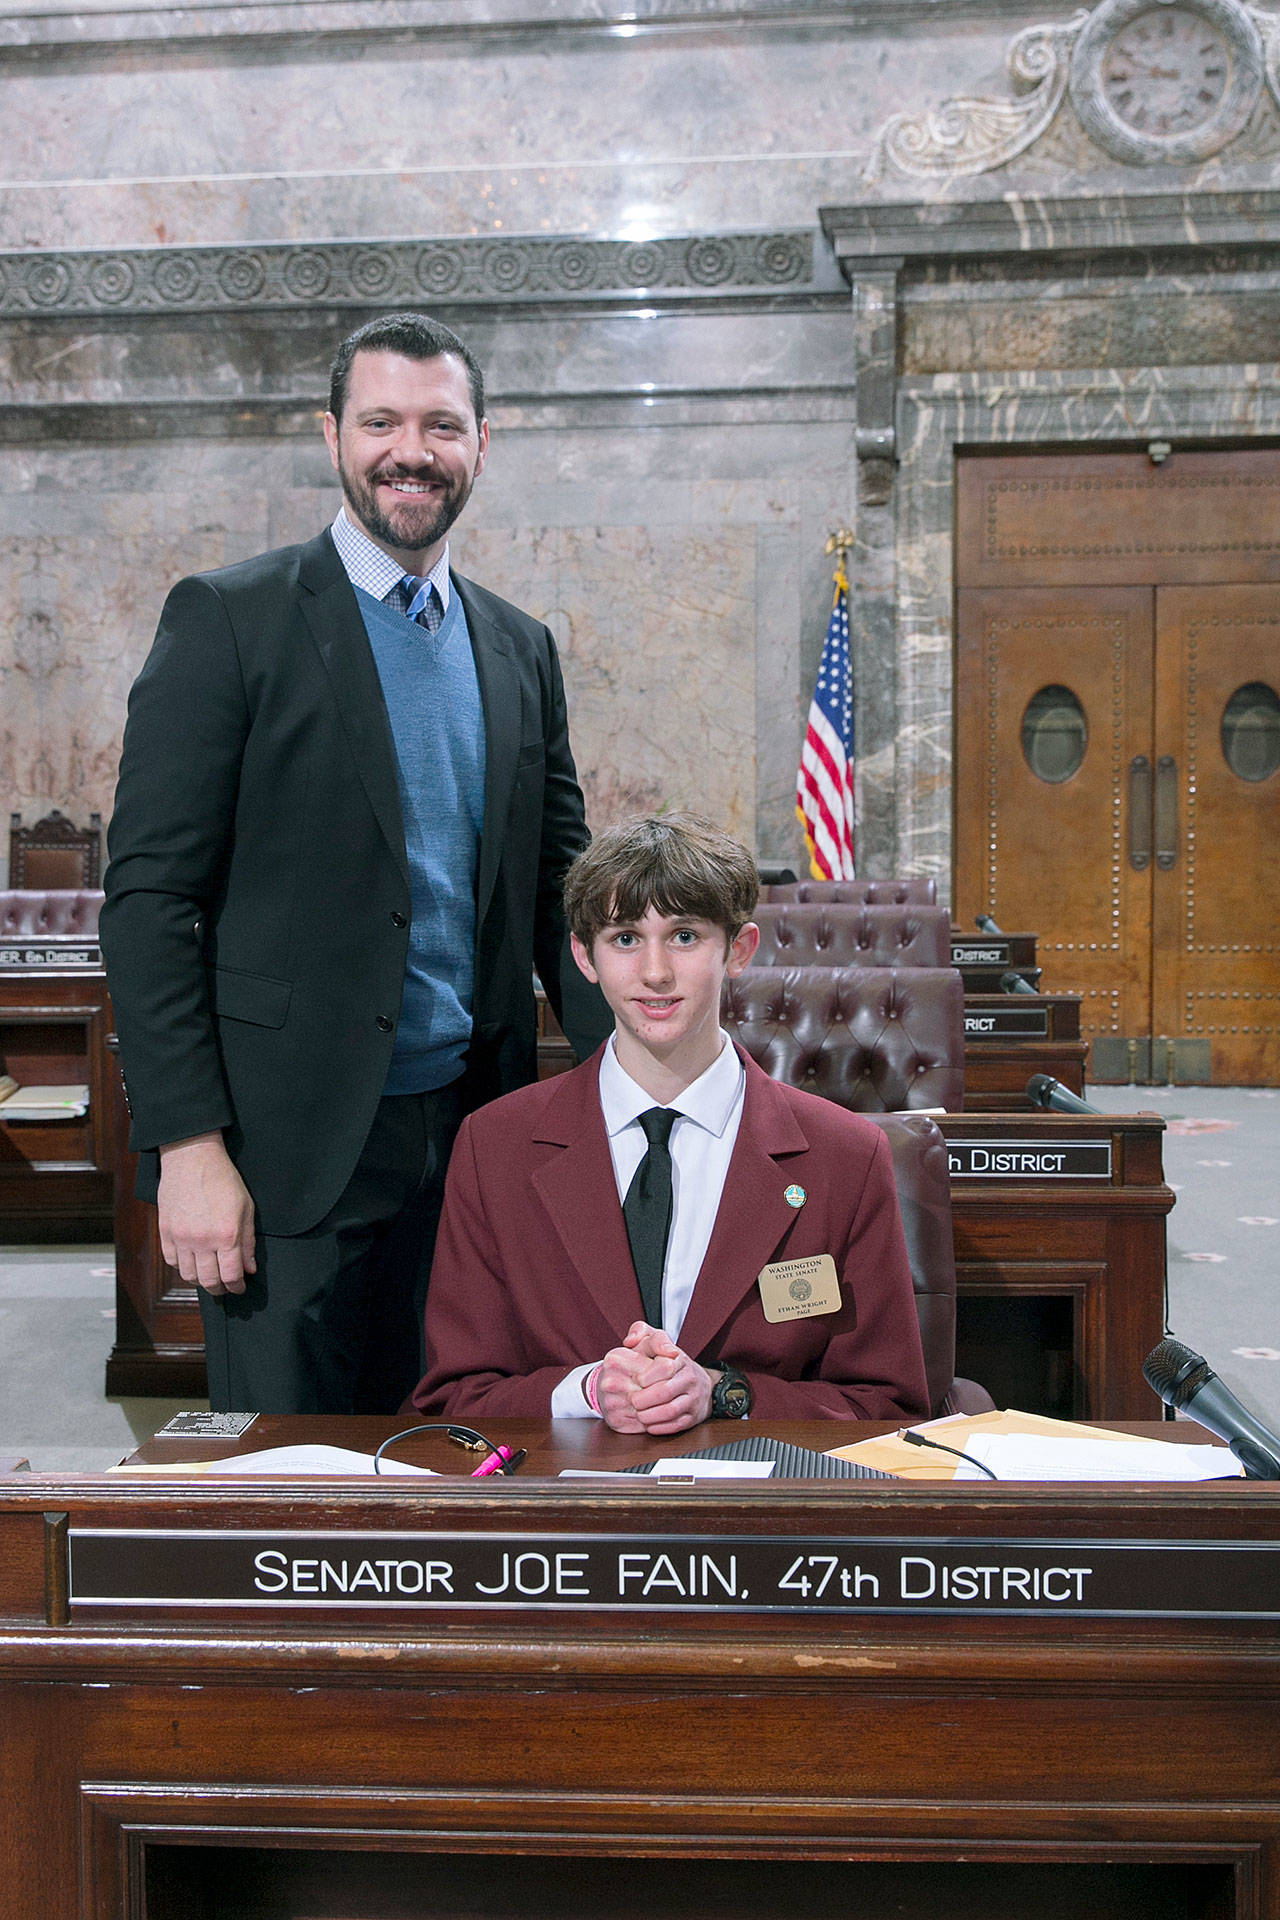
[[649, 1385], [206, 1214]]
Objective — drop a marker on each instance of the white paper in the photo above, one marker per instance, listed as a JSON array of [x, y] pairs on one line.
[[711, 1469], [333, 1461], [1034, 1456]]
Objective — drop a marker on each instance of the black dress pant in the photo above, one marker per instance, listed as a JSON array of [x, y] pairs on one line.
[[332, 1320]]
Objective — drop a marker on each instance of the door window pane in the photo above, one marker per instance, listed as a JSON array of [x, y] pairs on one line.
[[1251, 731], [1054, 734]]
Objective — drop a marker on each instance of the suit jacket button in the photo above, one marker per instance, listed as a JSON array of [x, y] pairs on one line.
[[383, 1024], [398, 920]]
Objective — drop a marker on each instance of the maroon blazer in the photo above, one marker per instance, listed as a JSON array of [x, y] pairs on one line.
[[533, 1273]]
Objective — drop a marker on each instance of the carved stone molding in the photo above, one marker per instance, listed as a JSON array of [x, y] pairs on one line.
[[397, 273], [1153, 83], [965, 136]]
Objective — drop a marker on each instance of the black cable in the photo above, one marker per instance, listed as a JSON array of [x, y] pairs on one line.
[[462, 1436], [919, 1440]]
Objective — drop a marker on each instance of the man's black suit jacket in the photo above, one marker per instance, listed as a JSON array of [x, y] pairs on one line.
[[256, 921]]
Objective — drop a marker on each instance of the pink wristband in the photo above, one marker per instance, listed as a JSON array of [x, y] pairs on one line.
[[589, 1389]]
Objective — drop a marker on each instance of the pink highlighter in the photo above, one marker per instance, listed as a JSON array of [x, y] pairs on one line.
[[501, 1460]]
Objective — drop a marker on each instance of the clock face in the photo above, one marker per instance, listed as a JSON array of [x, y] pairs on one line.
[[1166, 72]]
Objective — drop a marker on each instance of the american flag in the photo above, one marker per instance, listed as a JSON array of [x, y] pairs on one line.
[[824, 786]]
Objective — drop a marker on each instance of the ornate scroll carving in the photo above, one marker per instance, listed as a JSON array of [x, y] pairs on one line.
[[972, 136]]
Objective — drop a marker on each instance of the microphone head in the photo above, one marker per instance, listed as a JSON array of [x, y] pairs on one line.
[[1175, 1372], [1039, 1088], [1011, 981]]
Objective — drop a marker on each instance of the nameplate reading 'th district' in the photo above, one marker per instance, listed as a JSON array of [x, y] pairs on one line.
[[21, 953], [1029, 1159], [400, 1574]]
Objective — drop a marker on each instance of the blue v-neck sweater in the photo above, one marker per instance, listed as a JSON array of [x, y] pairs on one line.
[[437, 722]]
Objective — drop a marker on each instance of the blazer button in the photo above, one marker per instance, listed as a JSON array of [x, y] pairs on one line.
[[383, 1024], [398, 920]]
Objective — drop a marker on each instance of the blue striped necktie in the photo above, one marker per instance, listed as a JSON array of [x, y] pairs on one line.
[[419, 602]]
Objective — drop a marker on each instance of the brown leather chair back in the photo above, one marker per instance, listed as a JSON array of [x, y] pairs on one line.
[[876, 1039], [55, 853], [920, 1168], [914, 891], [820, 934], [32, 913]]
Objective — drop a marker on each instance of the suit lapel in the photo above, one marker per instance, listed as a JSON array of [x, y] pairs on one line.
[[500, 698], [580, 1192], [332, 613], [753, 1216]]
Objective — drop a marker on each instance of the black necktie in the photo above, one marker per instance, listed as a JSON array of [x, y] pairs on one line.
[[647, 1210]]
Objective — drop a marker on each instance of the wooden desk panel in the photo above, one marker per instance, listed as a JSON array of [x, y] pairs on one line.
[[56, 1177], [1001, 1054], [1086, 1253], [204, 1763]]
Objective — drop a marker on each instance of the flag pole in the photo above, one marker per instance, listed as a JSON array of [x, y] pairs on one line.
[[824, 785]]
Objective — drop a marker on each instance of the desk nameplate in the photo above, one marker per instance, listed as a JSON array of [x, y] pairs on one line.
[[989, 953], [1008, 1023], [1029, 1159], [36, 954], [393, 1574]]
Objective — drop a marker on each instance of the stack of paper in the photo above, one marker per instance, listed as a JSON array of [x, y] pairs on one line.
[[1028, 1446]]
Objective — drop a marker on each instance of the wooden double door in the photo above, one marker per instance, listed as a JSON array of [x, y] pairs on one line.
[[1117, 745]]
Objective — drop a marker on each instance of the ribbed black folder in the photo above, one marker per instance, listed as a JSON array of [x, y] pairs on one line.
[[790, 1463]]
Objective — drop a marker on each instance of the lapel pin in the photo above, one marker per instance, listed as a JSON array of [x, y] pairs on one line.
[[795, 1196]]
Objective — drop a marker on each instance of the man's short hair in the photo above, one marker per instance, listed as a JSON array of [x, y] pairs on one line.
[[675, 862], [414, 335]]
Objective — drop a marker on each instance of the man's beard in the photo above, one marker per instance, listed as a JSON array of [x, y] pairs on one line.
[[413, 526]]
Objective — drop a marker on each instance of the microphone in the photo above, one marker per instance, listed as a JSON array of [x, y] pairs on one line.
[[1044, 1091], [1188, 1383], [1011, 982], [987, 924]]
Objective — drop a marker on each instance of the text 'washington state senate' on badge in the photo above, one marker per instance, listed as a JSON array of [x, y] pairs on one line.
[[799, 1289], [795, 1196]]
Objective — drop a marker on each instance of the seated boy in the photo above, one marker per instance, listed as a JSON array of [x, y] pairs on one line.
[[665, 1234]]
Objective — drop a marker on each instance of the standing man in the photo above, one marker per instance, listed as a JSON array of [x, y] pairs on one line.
[[345, 811]]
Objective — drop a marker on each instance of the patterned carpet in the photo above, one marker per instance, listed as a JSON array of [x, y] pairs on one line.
[[1222, 1152]]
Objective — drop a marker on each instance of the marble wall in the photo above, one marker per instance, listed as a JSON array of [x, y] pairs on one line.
[[648, 218]]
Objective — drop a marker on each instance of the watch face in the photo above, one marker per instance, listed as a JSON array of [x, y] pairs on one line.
[[1166, 72]]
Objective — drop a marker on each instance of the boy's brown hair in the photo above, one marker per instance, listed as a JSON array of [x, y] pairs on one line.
[[677, 863]]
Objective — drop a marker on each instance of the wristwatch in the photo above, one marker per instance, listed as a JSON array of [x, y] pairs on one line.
[[730, 1396]]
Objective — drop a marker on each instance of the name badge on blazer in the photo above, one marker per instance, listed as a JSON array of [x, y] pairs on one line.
[[799, 1289]]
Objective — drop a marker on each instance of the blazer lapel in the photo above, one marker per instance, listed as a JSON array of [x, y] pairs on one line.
[[753, 1216], [580, 1192], [500, 698], [332, 613]]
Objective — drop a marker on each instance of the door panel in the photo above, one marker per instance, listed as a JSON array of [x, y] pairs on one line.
[[1216, 968], [1063, 519], [1150, 593], [1056, 857]]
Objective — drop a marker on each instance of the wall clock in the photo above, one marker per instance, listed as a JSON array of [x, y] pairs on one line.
[[1166, 80]]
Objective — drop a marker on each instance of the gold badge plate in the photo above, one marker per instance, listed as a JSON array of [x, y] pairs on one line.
[[799, 1289]]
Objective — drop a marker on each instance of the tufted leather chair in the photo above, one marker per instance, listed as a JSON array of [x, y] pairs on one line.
[[28, 913], [915, 891], [876, 1039], [920, 1167], [822, 934]]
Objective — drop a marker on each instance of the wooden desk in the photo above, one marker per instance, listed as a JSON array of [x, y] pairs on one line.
[[1059, 1230], [744, 1748], [981, 958], [56, 1175], [1010, 1036]]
